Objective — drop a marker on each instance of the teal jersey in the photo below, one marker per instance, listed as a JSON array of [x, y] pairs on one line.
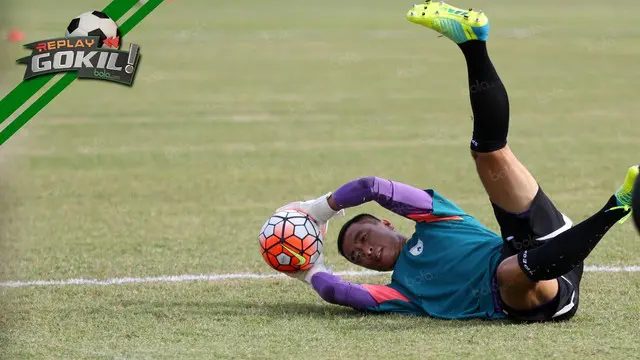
[[445, 270]]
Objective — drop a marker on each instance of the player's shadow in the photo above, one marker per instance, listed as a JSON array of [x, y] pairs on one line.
[[242, 308], [215, 310], [290, 309]]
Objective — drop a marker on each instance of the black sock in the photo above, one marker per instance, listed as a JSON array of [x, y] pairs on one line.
[[560, 254], [489, 100]]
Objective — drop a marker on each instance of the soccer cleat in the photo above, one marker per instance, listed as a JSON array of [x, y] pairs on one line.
[[624, 194], [456, 24]]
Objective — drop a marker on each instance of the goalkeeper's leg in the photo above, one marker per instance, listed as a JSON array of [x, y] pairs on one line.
[[508, 183], [530, 276]]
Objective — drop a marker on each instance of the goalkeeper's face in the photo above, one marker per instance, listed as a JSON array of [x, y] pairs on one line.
[[373, 244]]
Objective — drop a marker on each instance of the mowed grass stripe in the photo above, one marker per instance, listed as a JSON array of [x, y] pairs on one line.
[[242, 147]]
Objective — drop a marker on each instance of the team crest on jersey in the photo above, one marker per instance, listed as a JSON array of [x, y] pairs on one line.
[[417, 249]]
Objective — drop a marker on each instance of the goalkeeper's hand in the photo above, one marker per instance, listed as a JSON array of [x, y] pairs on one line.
[[318, 209], [317, 267]]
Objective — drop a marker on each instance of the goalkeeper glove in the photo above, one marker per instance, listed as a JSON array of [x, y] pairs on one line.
[[317, 209], [317, 267]]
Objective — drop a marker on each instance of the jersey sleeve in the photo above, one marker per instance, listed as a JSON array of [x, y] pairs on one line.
[[370, 297], [402, 199], [334, 290]]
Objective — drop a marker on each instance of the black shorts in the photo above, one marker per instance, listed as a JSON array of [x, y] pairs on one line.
[[529, 230]]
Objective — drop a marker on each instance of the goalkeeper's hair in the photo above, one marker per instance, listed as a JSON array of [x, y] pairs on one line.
[[345, 227]]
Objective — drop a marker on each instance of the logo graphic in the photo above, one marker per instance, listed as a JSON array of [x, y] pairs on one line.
[[14, 109], [301, 259], [417, 249], [90, 48], [458, 12]]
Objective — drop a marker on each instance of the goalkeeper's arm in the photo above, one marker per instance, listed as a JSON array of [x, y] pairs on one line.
[[334, 290]]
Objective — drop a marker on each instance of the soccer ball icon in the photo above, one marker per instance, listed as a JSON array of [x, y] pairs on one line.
[[290, 241], [95, 23]]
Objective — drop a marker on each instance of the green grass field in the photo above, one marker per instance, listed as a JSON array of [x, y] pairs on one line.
[[240, 107]]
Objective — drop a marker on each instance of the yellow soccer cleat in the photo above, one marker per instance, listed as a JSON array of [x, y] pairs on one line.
[[456, 24], [635, 204], [624, 195]]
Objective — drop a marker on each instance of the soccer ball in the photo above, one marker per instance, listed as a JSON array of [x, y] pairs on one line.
[[93, 23], [290, 241]]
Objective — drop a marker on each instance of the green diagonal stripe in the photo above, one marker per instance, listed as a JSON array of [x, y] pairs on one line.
[[20, 94], [115, 10], [118, 8], [26, 89], [139, 15], [38, 105]]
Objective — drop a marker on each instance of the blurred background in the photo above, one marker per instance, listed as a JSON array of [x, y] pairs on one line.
[[4, 63], [241, 107], [4, 26]]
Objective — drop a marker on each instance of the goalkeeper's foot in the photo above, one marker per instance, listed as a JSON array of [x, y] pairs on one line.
[[456, 24], [624, 194]]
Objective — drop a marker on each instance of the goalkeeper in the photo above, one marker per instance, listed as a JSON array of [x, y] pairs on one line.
[[453, 267]]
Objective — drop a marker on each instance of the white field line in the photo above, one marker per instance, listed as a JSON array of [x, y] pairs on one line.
[[219, 277]]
